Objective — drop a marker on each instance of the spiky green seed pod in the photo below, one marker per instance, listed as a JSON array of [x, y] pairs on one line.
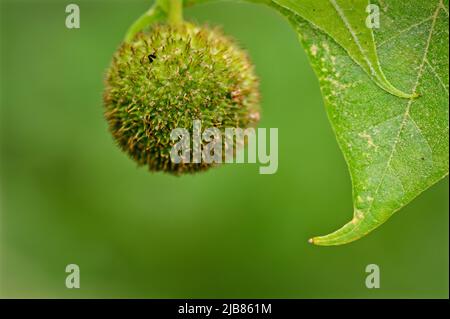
[[169, 77]]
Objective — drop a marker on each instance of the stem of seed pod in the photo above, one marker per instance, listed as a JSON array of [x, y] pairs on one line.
[[153, 15], [175, 12]]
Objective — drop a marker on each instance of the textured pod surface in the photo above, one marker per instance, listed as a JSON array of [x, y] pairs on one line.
[[169, 77]]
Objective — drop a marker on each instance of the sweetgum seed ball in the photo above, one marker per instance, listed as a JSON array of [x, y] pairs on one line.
[[167, 78]]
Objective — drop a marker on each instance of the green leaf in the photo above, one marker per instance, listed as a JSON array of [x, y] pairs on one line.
[[395, 144], [395, 148], [345, 22]]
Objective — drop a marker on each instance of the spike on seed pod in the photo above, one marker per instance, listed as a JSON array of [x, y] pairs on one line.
[[192, 72]]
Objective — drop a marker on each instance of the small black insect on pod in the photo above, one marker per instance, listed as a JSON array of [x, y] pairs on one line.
[[151, 57]]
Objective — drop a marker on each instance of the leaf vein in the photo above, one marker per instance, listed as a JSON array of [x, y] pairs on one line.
[[404, 31], [354, 36], [420, 131], [437, 76], [408, 106], [443, 7]]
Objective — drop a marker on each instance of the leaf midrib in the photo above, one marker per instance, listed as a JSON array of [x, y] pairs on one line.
[[354, 36], [406, 113]]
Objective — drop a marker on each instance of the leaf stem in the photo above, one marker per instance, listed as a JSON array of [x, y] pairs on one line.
[[154, 14], [172, 10], [175, 12]]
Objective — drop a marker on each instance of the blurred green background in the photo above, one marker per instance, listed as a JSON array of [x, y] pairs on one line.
[[68, 195]]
